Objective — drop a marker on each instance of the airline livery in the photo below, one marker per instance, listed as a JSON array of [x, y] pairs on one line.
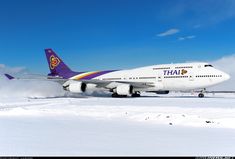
[[157, 78]]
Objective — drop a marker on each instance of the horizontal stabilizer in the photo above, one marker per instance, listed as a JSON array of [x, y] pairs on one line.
[[9, 76]]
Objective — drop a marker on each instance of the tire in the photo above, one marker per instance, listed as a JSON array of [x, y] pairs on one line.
[[201, 95], [115, 95], [135, 95]]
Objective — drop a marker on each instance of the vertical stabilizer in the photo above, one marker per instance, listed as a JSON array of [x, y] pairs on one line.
[[56, 65]]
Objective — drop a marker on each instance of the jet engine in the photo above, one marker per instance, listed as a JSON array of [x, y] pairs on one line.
[[77, 87], [124, 89]]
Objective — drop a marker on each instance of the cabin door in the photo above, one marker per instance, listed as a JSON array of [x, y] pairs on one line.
[[191, 76], [159, 76]]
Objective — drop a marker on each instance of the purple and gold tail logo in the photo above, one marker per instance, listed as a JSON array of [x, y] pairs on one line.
[[54, 61], [183, 72]]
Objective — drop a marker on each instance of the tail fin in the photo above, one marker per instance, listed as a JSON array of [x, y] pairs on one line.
[[56, 65], [9, 76]]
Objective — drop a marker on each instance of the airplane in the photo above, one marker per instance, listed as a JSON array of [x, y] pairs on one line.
[[160, 79]]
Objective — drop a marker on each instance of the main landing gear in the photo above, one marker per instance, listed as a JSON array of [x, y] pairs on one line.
[[115, 95], [136, 94]]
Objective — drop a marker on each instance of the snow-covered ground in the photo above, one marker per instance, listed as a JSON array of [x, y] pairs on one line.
[[170, 125]]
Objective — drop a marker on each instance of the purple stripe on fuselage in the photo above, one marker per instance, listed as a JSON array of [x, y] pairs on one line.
[[97, 74], [66, 75]]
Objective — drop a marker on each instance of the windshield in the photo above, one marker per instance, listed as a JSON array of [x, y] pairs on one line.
[[208, 65]]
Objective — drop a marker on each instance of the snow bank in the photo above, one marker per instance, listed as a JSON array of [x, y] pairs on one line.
[[30, 88], [94, 126]]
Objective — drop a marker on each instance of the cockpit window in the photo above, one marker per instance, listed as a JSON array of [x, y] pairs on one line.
[[208, 65]]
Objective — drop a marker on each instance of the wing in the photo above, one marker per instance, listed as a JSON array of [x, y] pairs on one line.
[[98, 83], [33, 78]]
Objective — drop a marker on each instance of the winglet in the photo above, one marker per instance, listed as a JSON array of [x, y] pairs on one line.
[[9, 76]]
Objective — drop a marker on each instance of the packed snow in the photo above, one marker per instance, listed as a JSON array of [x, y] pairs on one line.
[[166, 125]]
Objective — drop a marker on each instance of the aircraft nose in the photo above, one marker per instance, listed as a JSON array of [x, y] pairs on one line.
[[226, 76]]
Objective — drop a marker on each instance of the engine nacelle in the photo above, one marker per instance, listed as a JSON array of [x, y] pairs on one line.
[[124, 89], [77, 87]]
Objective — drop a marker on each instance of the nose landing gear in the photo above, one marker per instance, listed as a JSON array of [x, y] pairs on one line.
[[201, 94]]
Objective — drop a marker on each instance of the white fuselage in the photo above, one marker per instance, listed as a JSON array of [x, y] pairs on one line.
[[184, 76]]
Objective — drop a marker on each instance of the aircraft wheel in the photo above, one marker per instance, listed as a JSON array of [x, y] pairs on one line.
[[201, 95], [135, 95], [115, 95]]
